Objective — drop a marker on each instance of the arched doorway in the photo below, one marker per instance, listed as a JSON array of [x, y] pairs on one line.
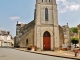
[[46, 41]]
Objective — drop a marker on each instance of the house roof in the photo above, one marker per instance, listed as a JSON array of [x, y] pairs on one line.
[[3, 32]]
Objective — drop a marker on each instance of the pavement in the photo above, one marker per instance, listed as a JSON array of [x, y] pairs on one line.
[[63, 54], [12, 54]]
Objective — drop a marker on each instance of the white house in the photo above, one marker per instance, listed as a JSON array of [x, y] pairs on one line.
[[5, 38]]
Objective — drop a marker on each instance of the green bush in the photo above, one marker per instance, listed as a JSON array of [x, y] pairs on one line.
[[74, 41]]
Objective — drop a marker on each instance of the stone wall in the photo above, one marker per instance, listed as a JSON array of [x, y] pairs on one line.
[[61, 36], [23, 33], [28, 35], [66, 35], [16, 39]]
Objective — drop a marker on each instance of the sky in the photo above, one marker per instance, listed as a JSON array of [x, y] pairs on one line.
[[12, 11]]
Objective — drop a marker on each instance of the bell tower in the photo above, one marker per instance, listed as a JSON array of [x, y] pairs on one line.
[[46, 19], [46, 1]]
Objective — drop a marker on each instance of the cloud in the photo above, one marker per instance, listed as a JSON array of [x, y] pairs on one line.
[[67, 6], [14, 18], [74, 7]]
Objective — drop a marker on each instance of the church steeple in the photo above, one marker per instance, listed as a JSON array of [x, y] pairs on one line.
[[46, 1], [46, 19], [46, 12], [54, 1], [38, 1]]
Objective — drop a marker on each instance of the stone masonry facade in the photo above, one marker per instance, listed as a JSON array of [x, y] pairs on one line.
[[32, 33]]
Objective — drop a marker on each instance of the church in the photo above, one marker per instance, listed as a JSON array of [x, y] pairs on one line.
[[43, 32]]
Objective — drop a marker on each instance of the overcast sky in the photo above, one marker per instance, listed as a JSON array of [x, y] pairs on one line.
[[12, 11]]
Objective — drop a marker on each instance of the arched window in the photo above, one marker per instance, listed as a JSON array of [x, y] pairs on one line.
[[46, 14], [49, 0], [26, 41]]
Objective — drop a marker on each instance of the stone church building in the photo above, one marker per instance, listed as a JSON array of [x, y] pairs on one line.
[[43, 32]]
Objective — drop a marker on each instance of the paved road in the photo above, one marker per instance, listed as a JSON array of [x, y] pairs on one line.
[[12, 54]]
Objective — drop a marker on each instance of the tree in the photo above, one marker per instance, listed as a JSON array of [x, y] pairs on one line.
[[74, 41], [73, 30]]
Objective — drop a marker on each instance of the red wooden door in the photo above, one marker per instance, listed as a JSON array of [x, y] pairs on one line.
[[46, 43]]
